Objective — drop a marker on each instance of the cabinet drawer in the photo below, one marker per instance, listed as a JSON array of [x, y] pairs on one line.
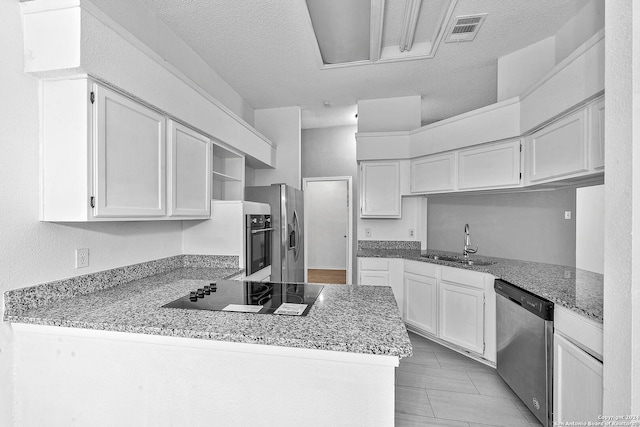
[[580, 329], [464, 277], [421, 268], [379, 264]]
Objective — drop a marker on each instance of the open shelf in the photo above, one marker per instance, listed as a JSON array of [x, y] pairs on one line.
[[227, 174]]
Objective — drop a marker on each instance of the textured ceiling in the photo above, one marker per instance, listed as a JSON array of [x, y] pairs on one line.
[[266, 50]]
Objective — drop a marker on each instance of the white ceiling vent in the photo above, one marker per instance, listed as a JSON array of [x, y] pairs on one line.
[[464, 28]]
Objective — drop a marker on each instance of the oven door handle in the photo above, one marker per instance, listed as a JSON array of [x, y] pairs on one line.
[[262, 230]]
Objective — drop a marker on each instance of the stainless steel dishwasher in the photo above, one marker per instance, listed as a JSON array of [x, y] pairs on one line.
[[525, 347]]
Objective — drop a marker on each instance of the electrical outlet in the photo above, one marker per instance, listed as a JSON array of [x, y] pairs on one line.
[[367, 232], [412, 233], [82, 258], [567, 274], [567, 214]]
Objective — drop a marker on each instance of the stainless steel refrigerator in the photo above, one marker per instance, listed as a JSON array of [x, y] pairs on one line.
[[287, 220]]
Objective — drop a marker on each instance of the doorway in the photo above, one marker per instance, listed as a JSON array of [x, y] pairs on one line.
[[329, 227]]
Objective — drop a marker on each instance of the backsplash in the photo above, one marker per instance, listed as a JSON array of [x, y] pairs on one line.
[[528, 226], [388, 244], [18, 300]]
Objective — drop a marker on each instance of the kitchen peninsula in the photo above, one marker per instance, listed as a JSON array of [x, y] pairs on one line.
[[111, 355]]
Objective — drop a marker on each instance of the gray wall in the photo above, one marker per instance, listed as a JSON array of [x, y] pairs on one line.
[[527, 226], [332, 152], [329, 152]]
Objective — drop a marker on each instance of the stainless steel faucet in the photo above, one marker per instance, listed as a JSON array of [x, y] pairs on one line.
[[467, 244]]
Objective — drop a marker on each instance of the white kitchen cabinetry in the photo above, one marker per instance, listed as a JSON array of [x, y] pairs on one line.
[[461, 308], [559, 150], [490, 166], [107, 157], [577, 367], [596, 137], [454, 305], [130, 157], [188, 177], [380, 190], [434, 174], [577, 383], [228, 174], [461, 316], [383, 272], [421, 296]]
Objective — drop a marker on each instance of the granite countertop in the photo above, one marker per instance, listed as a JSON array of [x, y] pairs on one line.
[[570, 287], [344, 318]]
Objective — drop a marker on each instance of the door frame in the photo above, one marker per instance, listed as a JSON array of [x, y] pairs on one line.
[[349, 181]]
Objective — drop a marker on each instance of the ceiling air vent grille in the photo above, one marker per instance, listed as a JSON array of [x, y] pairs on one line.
[[464, 28]]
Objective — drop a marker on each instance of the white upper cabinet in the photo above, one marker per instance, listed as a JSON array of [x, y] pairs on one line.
[[189, 177], [596, 137], [380, 190], [130, 157], [559, 150], [489, 166], [435, 173], [108, 157]]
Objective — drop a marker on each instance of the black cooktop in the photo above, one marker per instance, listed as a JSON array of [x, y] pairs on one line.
[[294, 299]]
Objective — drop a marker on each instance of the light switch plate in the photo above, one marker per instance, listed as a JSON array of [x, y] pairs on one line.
[[367, 232]]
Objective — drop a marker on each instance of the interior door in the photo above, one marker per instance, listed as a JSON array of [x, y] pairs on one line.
[[327, 223]]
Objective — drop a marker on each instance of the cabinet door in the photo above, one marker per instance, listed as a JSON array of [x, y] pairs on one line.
[[374, 278], [596, 137], [461, 316], [489, 166], [558, 150], [130, 153], [189, 176], [433, 173], [421, 302], [577, 383], [380, 189]]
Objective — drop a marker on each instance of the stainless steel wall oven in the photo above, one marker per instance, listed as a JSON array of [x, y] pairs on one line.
[[258, 243]]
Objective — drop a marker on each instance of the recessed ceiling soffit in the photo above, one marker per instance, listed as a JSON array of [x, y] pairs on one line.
[[361, 32]]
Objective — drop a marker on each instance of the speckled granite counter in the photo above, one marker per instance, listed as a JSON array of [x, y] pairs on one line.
[[343, 318], [570, 287]]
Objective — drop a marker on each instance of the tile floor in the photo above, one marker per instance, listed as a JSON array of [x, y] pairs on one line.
[[439, 387]]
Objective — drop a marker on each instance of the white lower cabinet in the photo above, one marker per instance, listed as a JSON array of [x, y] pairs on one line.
[[577, 383], [461, 316], [383, 272], [452, 304], [577, 368], [421, 297]]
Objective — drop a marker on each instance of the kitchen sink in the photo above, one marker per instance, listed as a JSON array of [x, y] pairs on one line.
[[443, 258], [457, 260], [475, 262]]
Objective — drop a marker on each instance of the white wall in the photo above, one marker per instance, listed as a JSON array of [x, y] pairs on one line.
[[588, 21], [590, 228], [32, 252], [396, 229], [327, 217], [143, 24], [282, 126], [389, 114], [330, 152], [622, 210], [519, 70]]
